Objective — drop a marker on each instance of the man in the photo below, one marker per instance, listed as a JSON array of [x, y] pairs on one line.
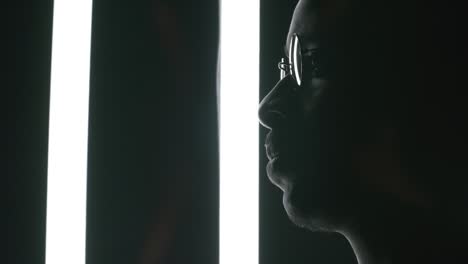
[[368, 132]]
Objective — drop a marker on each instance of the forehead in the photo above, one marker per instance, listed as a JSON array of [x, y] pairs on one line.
[[313, 16], [304, 21]]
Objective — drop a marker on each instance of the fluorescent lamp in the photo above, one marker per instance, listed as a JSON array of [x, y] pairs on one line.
[[239, 97], [68, 132]]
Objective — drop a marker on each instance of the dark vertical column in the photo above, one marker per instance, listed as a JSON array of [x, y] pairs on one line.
[[25, 82], [153, 161]]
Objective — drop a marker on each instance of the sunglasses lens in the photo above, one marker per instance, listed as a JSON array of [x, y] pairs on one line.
[[295, 57]]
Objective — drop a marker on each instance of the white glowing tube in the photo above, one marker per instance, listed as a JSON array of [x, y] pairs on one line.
[[239, 96], [68, 132]]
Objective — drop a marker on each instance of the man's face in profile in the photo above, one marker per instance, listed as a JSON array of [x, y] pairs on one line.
[[366, 125], [307, 157]]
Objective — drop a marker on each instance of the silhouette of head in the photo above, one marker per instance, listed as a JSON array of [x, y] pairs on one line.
[[368, 113]]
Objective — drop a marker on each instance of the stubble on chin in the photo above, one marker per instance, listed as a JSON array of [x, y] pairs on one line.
[[307, 218]]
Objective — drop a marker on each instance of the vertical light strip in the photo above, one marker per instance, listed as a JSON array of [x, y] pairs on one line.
[[239, 96], [68, 132]]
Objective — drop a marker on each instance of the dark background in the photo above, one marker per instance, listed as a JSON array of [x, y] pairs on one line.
[[153, 160]]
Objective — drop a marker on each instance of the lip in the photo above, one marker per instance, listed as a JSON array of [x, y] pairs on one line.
[[272, 150], [278, 179]]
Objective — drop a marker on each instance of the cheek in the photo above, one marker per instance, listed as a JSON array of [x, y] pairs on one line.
[[311, 94]]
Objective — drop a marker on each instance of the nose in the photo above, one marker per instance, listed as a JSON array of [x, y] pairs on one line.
[[277, 105]]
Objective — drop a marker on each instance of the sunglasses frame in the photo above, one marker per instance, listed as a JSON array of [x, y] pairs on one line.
[[294, 65]]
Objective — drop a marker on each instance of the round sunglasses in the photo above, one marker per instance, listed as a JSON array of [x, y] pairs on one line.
[[297, 65]]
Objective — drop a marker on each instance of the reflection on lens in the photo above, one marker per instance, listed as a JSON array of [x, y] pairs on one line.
[[295, 58]]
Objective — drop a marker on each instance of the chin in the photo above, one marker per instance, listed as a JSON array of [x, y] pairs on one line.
[[312, 198], [283, 177], [280, 173], [317, 207], [314, 219]]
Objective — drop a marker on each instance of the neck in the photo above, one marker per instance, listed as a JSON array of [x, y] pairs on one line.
[[401, 234]]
